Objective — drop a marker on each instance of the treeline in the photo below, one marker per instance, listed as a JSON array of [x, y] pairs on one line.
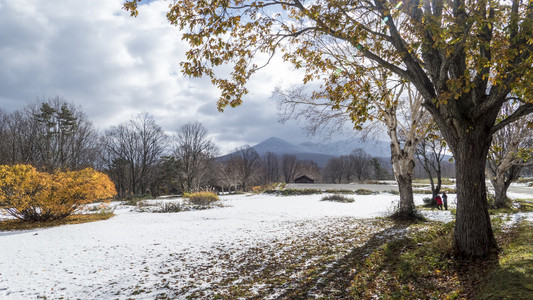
[[357, 166], [141, 159], [138, 156]]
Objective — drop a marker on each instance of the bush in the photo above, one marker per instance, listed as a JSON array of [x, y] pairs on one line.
[[430, 202], [170, 207], [364, 192], [202, 198], [338, 198], [29, 195], [160, 207]]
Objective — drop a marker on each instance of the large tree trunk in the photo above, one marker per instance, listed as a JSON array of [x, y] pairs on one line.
[[501, 180], [473, 236], [406, 208], [403, 166], [500, 190]]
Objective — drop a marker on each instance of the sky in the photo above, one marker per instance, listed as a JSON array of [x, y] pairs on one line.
[[93, 54]]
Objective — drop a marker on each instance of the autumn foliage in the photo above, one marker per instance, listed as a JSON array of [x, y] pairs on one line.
[[30, 195]]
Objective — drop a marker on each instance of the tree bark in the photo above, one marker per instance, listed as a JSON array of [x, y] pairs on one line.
[[473, 236], [403, 165], [500, 192], [501, 180], [406, 208]]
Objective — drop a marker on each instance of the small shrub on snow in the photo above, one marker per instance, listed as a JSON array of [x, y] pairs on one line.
[[202, 198], [364, 192], [160, 207], [293, 192], [338, 198], [429, 202], [170, 207]]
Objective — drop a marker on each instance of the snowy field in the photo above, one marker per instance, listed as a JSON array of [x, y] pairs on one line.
[[142, 255]]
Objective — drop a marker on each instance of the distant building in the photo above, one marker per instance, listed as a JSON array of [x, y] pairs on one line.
[[304, 179]]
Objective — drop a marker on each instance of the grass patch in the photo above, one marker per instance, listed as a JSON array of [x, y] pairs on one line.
[[421, 266], [341, 191], [201, 198], [293, 192], [338, 198], [133, 200], [512, 278], [72, 219], [513, 206], [297, 192], [364, 192], [445, 181], [160, 207], [416, 266]]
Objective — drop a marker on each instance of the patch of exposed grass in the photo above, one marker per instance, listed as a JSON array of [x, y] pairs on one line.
[[338, 198], [512, 278], [421, 266], [445, 181], [417, 266], [364, 192], [134, 199], [514, 206], [293, 192], [73, 219], [340, 191]]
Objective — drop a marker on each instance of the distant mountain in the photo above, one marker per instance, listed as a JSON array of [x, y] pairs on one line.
[[278, 146], [320, 152], [344, 147]]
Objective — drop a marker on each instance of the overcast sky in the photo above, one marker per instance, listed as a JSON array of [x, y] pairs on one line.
[[93, 54]]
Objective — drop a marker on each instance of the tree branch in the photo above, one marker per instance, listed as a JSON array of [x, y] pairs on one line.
[[517, 114]]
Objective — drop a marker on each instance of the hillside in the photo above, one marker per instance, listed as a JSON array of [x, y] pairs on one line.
[[319, 152]]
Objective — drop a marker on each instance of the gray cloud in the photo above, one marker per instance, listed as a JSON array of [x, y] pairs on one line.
[[114, 66]]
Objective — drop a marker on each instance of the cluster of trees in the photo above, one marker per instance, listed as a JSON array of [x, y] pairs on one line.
[[357, 166], [51, 135], [138, 156], [244, 168]]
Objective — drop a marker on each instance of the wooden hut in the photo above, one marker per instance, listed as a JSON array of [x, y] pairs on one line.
[[304, 179]]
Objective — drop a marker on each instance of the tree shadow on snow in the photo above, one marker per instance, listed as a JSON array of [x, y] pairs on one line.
[[335, 282]]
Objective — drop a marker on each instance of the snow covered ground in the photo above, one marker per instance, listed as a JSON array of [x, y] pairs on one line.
[[134, 255]]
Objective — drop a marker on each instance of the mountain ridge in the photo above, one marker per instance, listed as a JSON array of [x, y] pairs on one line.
[[320, 153]]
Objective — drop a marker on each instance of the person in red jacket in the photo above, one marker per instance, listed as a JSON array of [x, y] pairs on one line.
[[439, 202]]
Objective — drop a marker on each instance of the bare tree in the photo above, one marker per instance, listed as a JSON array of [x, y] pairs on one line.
[[288, 167], [271, 167], [335, 169], [248, 163], [511, 150], [360, 164], [196, 151], [430, 153], [228, 173], [132, 153]]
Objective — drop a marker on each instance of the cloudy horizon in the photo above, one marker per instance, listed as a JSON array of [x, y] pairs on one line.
[[114, 67]]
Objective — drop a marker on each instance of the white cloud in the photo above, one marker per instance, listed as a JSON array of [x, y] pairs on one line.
[[95, 55]]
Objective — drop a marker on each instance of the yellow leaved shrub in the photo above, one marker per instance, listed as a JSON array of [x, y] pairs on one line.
[[30, 195]]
